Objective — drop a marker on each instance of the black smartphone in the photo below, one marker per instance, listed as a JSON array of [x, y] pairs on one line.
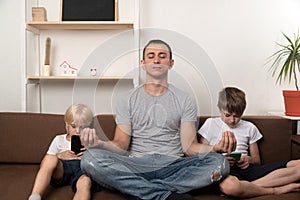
[[76, 144]]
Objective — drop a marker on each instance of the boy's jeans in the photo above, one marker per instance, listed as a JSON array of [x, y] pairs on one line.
[[152, 176]]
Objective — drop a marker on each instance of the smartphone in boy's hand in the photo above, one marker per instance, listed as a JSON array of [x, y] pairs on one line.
[[236, 155], [76, 145]]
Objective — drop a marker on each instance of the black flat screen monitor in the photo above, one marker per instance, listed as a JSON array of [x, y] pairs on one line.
[[88, 10]]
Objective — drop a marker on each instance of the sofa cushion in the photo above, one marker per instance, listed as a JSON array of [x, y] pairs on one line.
[[25, 137], [105, 123], [17, 180], [276, 143]]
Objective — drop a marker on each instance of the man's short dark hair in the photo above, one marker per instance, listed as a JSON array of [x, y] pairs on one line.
[[157, 41]]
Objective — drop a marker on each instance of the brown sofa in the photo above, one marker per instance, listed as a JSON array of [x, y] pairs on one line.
[[25, 137]]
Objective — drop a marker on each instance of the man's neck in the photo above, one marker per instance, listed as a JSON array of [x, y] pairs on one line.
[[156, 89]]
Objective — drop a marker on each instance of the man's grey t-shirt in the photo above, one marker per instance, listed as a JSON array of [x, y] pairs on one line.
[[155, 120]]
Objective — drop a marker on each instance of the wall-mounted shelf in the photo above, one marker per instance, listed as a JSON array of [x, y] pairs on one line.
[[34, 78], [282, 114], [80, 25]]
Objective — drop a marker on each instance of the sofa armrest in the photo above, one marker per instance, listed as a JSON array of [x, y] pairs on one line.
[[295, 139]]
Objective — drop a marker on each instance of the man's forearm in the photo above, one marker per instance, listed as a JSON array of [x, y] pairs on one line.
[[198, 148], [113, 147]]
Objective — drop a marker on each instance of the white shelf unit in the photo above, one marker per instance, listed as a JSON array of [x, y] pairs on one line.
[[77, 77], [36, 28]]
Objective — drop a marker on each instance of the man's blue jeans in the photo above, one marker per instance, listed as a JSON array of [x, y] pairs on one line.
[[152, 176]]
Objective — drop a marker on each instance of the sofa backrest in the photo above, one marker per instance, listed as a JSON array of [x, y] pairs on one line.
[[25, 137], [105, 123], [276, 142]]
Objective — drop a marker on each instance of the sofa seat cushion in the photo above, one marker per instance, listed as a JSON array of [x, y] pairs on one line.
[[290, 196], [16, 180]]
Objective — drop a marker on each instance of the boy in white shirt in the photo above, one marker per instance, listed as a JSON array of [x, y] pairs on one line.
[[232, 103], [61, 166]]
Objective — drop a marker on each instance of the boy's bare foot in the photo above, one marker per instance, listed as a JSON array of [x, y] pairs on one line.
[[35, 197], [292, 187]]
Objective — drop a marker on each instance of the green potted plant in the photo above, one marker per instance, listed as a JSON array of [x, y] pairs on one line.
[[286, 61]]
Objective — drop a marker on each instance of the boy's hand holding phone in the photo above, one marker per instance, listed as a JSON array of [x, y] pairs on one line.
[[68, 155], [238, 159], [233, 158], [236, 155], [243, 163]]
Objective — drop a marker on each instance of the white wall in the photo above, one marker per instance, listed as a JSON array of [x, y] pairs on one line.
[[11, 40], [216, 43], [236, 35]]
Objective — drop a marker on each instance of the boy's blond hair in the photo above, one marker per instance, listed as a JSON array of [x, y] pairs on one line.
[[80, 114], [232, 100]]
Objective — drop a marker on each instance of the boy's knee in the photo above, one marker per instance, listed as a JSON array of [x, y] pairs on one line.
[[230, 186], [84, 182]]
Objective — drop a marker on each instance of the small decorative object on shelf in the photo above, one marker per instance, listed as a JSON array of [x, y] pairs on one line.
[[93, 71], [46, 67], [67, 70], [39, 14]]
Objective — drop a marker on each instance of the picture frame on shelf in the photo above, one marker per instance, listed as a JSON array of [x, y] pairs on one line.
[[92, 10]]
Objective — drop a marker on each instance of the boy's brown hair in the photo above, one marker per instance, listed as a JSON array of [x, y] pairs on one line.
[[232, 100]]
